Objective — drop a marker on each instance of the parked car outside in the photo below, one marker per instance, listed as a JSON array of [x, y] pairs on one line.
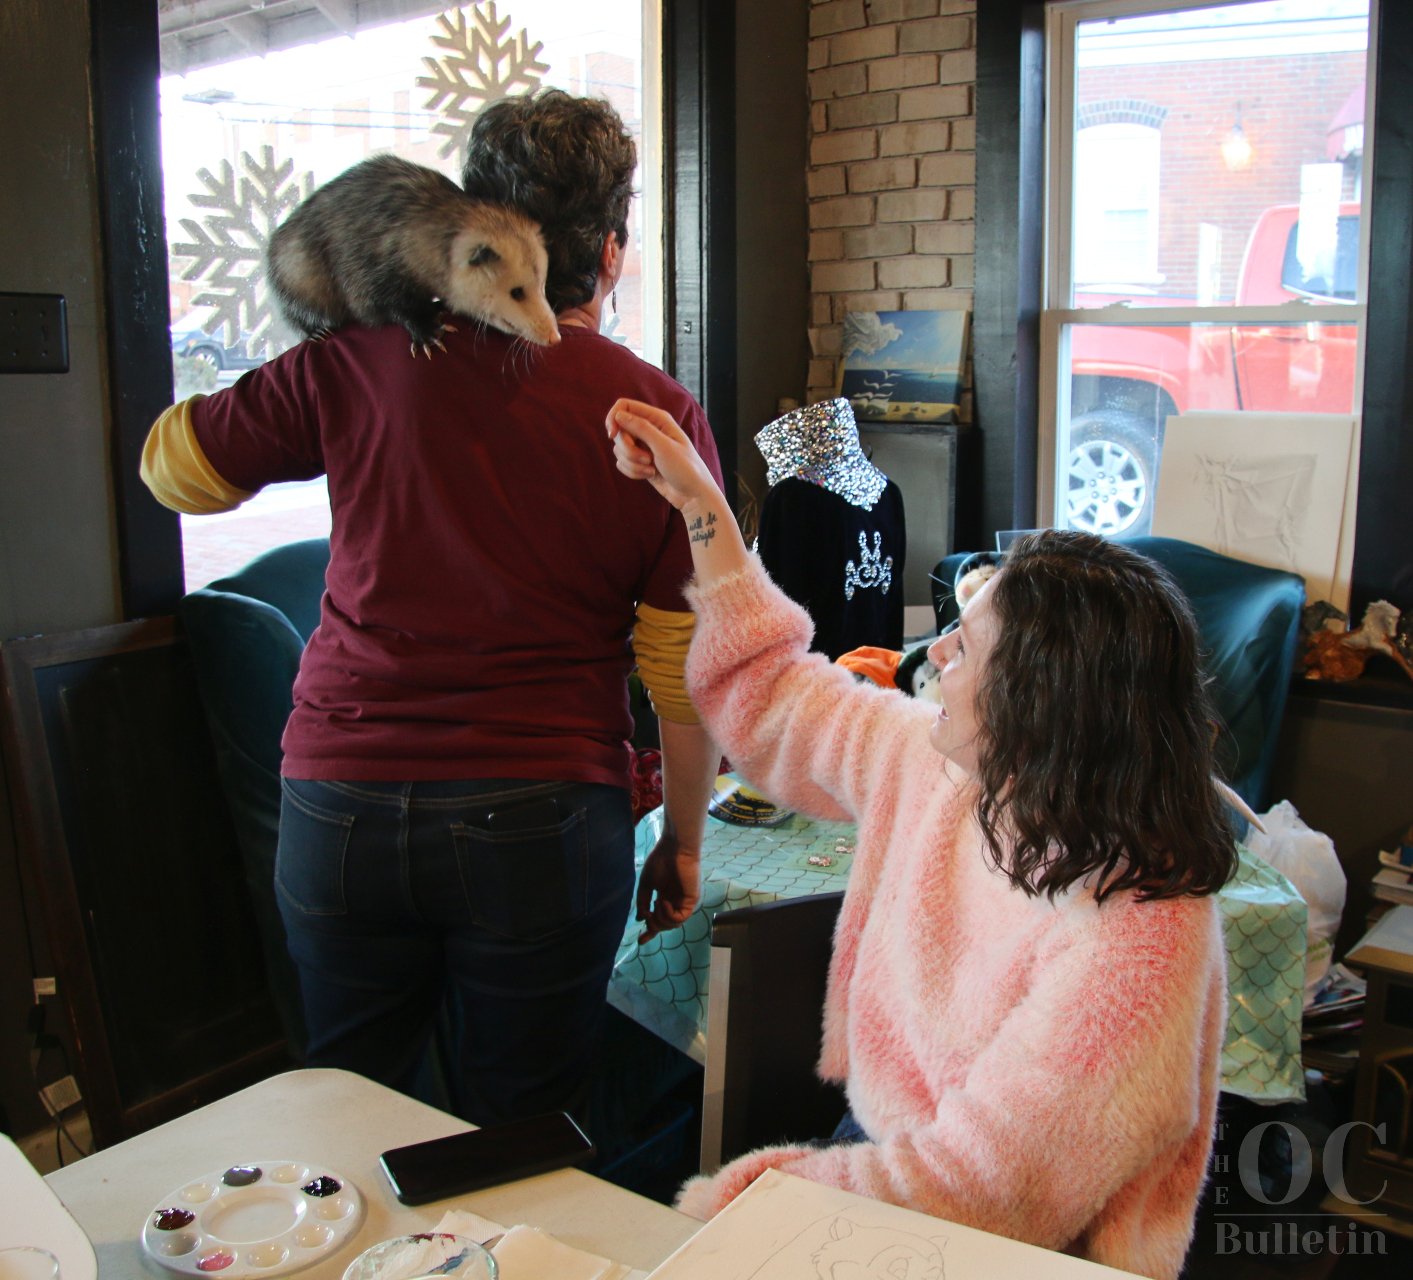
[[1128, 381], [190, 339]]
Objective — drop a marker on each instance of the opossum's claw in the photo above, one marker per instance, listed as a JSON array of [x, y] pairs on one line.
[[449, 328], [439, 344]]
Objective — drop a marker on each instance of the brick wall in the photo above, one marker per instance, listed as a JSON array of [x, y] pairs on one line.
[[1286, 106], [892, 167]]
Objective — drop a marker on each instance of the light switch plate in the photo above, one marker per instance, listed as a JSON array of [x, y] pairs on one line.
[[34, 333]]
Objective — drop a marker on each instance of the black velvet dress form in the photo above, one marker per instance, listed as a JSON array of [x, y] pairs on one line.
[[832, 529]]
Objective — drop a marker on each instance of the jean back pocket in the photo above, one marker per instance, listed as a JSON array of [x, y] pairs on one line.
[[525, 872]]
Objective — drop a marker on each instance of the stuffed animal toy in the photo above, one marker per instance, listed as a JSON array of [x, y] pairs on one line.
[[1336, 654], [917, 677], [971, 573]]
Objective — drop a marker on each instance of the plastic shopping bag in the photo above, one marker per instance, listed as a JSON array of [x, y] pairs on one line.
[[1307, 859]]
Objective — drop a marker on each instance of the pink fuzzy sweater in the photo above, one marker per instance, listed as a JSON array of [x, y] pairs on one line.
[[1045, 1071]]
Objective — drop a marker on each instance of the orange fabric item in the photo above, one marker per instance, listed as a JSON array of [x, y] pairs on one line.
[[879, 665]]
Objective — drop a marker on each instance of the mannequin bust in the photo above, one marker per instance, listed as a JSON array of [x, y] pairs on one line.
[[832, 532]]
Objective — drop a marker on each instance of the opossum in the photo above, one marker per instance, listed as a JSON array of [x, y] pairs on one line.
[[392, 242]]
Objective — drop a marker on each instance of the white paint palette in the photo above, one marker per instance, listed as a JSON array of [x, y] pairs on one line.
[[258, 1218]]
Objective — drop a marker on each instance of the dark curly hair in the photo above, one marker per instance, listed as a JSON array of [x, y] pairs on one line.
[[567, 163], [1097, 751]]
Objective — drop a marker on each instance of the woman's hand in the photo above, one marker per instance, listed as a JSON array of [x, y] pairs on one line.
[[649, 445]]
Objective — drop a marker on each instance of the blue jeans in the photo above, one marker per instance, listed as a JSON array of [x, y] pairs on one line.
[[846, 1131], [399, 896]]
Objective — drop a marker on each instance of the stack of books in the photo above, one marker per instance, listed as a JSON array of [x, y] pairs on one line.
[[1332, 1019], [1393, 881]]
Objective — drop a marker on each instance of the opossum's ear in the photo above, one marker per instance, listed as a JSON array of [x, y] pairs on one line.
[[480, 255]]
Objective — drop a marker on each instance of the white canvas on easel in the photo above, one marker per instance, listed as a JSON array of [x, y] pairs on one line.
[[1270, 488]]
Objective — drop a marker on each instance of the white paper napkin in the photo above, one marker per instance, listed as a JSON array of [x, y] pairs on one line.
[[527, 1253]]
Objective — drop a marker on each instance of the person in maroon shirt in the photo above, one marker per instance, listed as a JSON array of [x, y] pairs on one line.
[[456, 813]]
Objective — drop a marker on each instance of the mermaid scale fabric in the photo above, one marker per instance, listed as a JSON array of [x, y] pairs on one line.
[[1263, 917]]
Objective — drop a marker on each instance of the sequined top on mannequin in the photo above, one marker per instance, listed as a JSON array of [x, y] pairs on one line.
[[820, 443]]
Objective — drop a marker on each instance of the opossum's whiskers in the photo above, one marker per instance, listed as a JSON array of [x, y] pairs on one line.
[[529, 351], [510, 361]]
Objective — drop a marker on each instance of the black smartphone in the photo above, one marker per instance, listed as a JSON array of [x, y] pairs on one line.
[[485, 1157], [526, 815]]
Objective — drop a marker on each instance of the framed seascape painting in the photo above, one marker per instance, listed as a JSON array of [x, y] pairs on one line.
[[903, 366]]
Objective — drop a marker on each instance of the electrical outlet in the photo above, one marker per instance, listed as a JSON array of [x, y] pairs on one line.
[[34, 333], [61, 1095]]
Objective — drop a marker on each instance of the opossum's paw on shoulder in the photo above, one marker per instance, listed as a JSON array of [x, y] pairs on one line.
[[424, 339]]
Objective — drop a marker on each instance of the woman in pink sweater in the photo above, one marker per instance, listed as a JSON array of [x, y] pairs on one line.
[[1026, 999]]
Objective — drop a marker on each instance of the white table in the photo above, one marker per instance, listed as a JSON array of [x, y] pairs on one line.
[[344, 1122]]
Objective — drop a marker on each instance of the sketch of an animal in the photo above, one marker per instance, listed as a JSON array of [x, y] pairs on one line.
[[392, 242], [838, 1248]]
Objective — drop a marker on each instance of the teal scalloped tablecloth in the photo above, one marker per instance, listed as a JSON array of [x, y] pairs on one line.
[[663, 984]]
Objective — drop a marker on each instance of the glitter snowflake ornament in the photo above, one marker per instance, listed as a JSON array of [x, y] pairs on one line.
[[482, 67], [227, 247]]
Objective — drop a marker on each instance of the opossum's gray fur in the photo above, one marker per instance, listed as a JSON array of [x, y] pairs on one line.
[[392, 242]]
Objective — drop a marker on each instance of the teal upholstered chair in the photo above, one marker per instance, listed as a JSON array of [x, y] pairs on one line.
[[247, 633], [1249, 617]]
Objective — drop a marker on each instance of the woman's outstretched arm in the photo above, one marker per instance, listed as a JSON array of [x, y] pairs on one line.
[[798, 727], [649, 445]]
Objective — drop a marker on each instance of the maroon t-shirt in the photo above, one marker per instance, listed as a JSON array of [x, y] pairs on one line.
[[486, 556]]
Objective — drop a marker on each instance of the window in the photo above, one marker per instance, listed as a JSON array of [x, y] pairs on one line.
[[244, 138], [1116, 202], [1204, 252], [1325, 269]]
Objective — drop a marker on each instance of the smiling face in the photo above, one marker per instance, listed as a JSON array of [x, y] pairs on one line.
[[961, 654]]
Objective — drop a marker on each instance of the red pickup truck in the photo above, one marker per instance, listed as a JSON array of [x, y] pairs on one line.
[[1127, 380]]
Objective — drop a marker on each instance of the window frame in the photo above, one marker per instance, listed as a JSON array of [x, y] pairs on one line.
[[696, 66], [1010, 93], [1058, 314]]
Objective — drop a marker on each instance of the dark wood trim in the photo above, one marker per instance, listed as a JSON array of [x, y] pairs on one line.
[[699, 150], [1010, 204], [172, 845], [39, 823], [128, 157], [1383, 536]]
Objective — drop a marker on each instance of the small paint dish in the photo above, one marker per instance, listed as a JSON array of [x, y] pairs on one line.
[[253, 1218], [426, 1254]]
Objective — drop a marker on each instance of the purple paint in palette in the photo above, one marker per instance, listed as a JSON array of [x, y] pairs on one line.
[[322, 1186], [242, 1175], [172, 1219]]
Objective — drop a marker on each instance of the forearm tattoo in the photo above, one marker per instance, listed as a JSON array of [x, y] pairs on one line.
[[701, 529]]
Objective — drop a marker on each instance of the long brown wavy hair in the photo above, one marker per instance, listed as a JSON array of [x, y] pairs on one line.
[[1096, 756]]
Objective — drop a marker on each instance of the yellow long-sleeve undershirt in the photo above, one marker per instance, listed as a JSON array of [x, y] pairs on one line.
[[176, 470]]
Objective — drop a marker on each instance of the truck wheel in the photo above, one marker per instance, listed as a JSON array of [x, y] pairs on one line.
[[1110, 472]]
